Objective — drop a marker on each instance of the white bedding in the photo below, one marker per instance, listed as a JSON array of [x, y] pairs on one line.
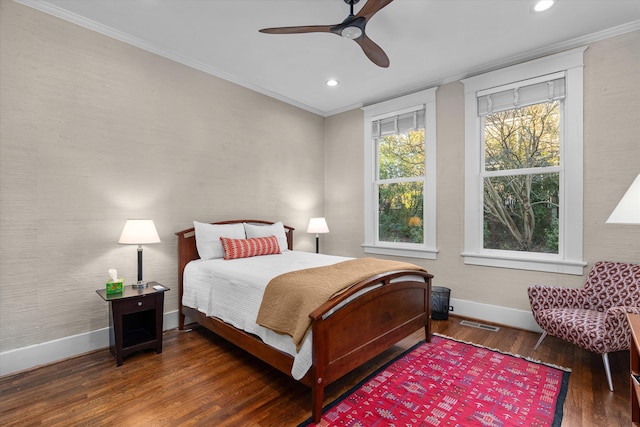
[[232, 290]]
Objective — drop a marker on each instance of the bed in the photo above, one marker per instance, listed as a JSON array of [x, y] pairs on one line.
[[346, 331]]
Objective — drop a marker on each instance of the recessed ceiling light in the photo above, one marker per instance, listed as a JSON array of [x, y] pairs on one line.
[[332, 82], [542, 5]]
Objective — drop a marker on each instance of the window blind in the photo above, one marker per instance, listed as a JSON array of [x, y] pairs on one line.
[[516, 97], [402, 123]]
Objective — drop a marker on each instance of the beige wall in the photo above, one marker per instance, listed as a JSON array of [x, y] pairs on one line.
[[344, 174], [94, 131], [611, 162]]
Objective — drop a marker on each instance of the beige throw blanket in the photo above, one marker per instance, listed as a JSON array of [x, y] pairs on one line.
[[290, 298]]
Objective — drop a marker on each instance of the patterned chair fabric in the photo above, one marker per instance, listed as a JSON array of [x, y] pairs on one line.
[[593, 317]]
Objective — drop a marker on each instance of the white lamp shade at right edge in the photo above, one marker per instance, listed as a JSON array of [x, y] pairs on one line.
[[628, 209]]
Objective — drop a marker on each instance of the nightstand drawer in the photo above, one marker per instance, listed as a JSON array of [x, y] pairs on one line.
[[134, 305]]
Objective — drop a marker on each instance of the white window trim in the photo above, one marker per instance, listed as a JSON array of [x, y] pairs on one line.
[[427, 250], [569, 257]]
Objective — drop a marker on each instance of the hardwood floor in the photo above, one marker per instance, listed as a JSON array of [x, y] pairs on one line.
[[200, 379]]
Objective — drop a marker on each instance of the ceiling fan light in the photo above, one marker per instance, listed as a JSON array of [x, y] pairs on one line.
[[351, 32], [332, 82]]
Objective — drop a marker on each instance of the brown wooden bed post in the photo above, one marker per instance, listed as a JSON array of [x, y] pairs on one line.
[[427, 324], [319, 362], [317, 398], [186, 252]]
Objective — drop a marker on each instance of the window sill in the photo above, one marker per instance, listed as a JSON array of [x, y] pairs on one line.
[[522, 263], [401, 252]]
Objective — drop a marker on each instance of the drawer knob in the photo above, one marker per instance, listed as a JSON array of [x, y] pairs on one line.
[[139, 303]]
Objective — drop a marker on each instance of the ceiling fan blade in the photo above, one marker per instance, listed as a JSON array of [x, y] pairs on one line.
[[373, 52], [298, 30], [371, 8]]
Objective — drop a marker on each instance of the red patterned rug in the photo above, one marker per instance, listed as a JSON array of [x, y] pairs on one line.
[[451, 383]]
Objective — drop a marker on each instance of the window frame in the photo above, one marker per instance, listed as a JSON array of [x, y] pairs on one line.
[[427, 250], [570, 246]]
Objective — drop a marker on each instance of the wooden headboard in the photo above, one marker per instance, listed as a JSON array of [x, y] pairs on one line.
[[187, 250]]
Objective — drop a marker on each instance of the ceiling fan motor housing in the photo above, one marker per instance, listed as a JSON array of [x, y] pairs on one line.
[[351, 32]]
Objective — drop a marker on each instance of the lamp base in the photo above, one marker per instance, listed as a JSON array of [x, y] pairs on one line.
[[140, 285]]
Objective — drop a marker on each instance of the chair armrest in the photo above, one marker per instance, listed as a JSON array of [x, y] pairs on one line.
[[544, 297], [618, 331]]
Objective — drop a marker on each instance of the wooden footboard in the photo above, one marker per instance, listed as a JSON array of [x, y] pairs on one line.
[[353, 334], [367, 326]]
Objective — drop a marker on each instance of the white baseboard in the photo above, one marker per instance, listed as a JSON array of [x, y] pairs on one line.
[[521, 319], [51, 351], [19, 359]]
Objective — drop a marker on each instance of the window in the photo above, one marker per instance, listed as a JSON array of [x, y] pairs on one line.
[[400, 176], [523, 166]]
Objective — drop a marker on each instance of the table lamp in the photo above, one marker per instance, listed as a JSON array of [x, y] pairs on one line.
[[139, 232], [317, 225]]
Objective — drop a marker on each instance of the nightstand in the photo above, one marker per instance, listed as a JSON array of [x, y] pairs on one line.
[[135, 319]]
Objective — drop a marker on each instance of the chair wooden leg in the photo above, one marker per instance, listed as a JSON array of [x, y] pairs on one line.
[[544, 334], [607, 369]]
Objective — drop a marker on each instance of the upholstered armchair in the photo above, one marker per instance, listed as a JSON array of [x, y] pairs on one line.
[[593, 317]]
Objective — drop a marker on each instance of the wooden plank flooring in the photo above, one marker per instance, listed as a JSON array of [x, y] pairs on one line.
[[200, 379]]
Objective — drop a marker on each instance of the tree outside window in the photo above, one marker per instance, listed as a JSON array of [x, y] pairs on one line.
[[521, 178], [401, 187]]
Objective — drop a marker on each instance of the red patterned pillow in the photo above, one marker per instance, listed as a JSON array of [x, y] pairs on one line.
[[244, 248]]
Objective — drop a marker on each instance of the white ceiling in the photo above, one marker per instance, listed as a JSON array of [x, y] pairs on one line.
[[429, 42]]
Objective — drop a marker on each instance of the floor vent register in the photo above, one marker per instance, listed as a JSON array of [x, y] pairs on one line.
[[480, 326]]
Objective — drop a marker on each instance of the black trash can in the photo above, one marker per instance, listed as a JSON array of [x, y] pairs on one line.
[[440, 302]]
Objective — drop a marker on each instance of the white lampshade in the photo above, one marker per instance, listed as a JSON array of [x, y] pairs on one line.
[[628, 209], [139, 232], [317, 225]]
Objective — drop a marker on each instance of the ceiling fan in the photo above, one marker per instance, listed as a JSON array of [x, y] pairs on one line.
[[353, 27]]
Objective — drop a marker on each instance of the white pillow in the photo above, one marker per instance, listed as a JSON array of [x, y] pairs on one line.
[[276, 229], [208, 237]]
